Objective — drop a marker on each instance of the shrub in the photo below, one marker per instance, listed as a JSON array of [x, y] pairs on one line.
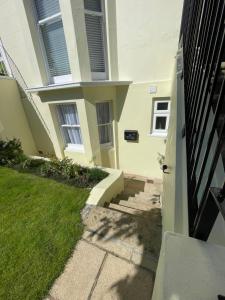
[[75, 174], [32, 163], [54, 168], [11, 152], [96, 175]]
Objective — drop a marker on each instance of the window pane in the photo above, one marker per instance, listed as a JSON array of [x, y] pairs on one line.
[[47, 8], [72, 135], [94, 30], [103, 112], [105, 134], [162, 106], [56, 50], [94, 5], [160, 123], [68, 114]]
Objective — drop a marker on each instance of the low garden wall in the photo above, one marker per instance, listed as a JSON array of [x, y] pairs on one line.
[[107, 189]]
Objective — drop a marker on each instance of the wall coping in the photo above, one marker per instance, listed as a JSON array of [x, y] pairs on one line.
[[189, 269], [107, 189]]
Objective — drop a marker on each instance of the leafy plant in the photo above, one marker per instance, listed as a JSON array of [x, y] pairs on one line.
[[11, 152], [32, 163], [75, 174], [96, 175]]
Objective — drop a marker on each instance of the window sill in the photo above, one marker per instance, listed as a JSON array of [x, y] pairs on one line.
[[160, 135], [74, 148], [106, 146]]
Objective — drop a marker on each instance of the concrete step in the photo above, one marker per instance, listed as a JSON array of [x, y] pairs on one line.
[[153, 188], [124, 209], [138, 206], [138, 199], [148, 196]]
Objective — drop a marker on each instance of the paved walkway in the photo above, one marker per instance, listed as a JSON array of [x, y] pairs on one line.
[[118, 253]]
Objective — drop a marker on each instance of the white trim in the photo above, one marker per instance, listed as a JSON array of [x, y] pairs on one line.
[[110, 124], [161, 110], [99, 75], [70, 146], [157, 114], [77, 85], [62, 79], [158, 134], [54, 18], [75, 148]]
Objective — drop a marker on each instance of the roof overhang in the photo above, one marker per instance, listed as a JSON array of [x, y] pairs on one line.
[[73, 85]]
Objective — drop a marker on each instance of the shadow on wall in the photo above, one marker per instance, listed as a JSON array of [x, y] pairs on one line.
[[39, 129], [121, 95], [41, 138], [62, 95]]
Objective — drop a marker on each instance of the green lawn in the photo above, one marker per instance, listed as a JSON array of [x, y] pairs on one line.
[[39, 226]]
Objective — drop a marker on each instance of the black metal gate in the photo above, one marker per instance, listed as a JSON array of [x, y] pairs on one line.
[[202, 36]]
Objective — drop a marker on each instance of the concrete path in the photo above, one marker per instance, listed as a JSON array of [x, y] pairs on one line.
[[117, 255]]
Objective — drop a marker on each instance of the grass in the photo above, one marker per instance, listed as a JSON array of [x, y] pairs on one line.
[[39, 226]]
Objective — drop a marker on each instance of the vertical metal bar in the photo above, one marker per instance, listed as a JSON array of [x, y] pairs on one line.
[[208, 213]]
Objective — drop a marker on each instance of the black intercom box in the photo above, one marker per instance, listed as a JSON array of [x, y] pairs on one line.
[[130, 135]]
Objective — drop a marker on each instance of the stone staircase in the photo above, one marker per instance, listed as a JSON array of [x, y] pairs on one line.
[[130, 226], [138, 196]]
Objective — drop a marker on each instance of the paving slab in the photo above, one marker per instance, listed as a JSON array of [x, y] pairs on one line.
[[80, 273], [122, 280]]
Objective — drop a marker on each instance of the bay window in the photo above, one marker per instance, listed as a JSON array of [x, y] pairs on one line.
[[95, 31], [104, 121], [70, 125], [53, 39]]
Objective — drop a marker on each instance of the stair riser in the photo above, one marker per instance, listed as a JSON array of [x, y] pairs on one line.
[[137, 205]]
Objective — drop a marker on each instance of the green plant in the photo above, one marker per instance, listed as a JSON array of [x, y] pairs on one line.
[[74, 174], [96, 175], [32, 163], [11, 152], [55, 168]]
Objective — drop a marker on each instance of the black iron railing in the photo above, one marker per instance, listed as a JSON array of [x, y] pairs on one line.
[[203, 40]]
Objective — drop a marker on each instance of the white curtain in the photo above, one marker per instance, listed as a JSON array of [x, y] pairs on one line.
[[104, 122], [105, 133], [68, 114], [72, 135], [103, 112], [69, 117]]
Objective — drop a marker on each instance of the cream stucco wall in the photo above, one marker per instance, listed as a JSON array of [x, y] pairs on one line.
[[134, 112], [147, 38], [13, 121], [141, 44]]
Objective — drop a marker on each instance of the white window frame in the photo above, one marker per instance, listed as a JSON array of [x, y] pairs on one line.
[[110, 144], [100, 75], [69, 146], [52, 79], [160, 113], [3, 58]]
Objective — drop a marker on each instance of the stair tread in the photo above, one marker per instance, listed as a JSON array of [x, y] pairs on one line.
[[124, 209], [139, 206], [142, 200]]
